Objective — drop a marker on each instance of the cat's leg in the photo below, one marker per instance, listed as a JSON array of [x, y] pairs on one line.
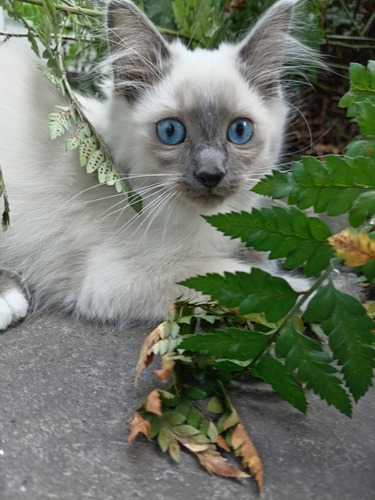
[[13, 303]]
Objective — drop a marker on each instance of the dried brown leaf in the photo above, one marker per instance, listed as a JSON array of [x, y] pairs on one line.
[[214, 463], [244, 447], [146, 355], [153, 402], [138, 424], [222, 443], [167, 365]]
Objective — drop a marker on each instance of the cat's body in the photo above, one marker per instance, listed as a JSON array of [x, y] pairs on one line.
[[77, 245]]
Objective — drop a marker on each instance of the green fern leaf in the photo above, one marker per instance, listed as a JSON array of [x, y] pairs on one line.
[[233, 343], [274, 372], [338, 186], [312, 364], [257, 291], [95, 160], [350, 333], [284, 233]]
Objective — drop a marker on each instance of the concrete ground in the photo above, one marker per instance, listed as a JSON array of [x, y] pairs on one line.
[[66, 391]]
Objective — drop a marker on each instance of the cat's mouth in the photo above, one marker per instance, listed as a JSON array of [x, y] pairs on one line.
[[207, 197]]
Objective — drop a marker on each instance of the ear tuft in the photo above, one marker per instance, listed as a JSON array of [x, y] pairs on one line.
[[269, 47], [139, 55]]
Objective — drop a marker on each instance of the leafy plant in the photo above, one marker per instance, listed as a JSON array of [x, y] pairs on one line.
[[254, 325], [48, 26], [360, 101]]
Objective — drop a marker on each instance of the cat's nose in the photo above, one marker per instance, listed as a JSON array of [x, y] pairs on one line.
[[210, 179]]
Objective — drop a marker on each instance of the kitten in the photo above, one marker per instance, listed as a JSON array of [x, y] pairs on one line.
[[192, 130]]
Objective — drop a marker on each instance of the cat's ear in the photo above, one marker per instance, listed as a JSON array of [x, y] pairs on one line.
[[263, 52], [139, 54]]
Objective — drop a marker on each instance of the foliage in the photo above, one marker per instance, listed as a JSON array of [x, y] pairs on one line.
[[254, 323], [360, 101]]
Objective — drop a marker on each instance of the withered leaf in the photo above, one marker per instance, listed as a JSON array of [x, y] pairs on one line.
[[222, 443], [138, 424], [356, 248], [167, 365], [217, 464], [146, 355], [244, 447], [153, 402]]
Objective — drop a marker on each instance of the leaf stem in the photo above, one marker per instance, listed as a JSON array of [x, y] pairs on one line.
[[75, 9], [69, 8]]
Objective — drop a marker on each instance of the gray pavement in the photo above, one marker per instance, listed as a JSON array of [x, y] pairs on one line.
[[66, 391]]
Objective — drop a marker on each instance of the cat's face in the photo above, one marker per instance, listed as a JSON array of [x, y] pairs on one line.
[[210, 122]]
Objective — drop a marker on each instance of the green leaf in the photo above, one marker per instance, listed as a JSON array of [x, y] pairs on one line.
[[174, 418], [338, 186], [215, 405], [313, 366], [275, 186], [369, 270], [174, 450], [350, 333], [232, 343], [58, 124], [362, 85], [282, 232], [274, 372], [185, 430], [365, 113], [165, 438], [94, 161], [73, 143], [257, 291], [363, 208], [212, 432], [361, 147], [86, 149]]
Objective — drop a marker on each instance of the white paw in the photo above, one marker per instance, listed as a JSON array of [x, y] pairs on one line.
[[13, 307]]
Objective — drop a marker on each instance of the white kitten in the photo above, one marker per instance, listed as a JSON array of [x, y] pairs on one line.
[[193, 130]]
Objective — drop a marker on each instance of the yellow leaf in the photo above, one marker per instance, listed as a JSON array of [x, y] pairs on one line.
[[216, 464], [356, 248], [244, 447], [138, 424], [370, 309]]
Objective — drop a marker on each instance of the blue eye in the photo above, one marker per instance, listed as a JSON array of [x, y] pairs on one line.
[[170, 131], [240, 131]]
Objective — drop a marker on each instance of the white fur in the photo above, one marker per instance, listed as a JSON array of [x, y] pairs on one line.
[[13, 307], [78, 245]]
